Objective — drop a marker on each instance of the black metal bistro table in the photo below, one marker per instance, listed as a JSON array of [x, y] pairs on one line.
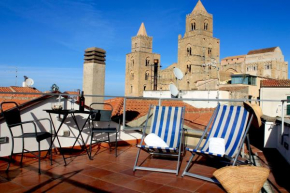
[[65, 114]]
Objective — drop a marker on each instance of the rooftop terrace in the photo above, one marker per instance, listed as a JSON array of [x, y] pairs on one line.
[[107, 173]]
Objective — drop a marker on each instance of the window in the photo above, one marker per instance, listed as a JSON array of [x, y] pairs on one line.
[[288, 106], [248, 80], [193, 25], [144, 87], [147, 62], [205, 26], [188, 67], [131, 90], [209, 51], [188, 51], [132, 61], [132, 75], [147, 75]]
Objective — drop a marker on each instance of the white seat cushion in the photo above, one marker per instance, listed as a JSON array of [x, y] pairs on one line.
[[153, 140], [217, 145]]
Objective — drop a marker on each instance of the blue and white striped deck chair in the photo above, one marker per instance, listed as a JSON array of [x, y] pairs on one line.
[[230, 123], [167, 123]]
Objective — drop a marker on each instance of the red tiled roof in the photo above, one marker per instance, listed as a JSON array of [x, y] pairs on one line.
[[275, 83], [136, 108], [260, 51], [72, 92], [18, 98], [15, 90]]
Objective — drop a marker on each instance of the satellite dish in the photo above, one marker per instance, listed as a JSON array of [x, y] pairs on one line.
[[173, 90], [177, 73], [29, 82]]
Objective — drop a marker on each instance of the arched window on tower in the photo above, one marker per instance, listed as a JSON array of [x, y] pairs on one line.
[[188, 67], [132, 75], [132, 61], [147, 61], [209, 51], [193, 26], [144, 87], [131, 89], [188, 51], [205, 25], [146, 75]]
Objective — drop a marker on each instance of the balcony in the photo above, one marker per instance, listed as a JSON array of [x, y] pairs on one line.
[[107, 173]]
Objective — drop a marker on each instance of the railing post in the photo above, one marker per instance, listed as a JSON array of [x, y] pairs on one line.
[[282, 126], [124, 113]]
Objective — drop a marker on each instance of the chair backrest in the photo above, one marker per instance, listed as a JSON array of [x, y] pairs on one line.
[[104, 115], [229, 123], [12, 115], [167, 123], [101, 115]]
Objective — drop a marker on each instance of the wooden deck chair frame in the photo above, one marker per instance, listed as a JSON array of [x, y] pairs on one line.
[[175, 147], [220, 127]]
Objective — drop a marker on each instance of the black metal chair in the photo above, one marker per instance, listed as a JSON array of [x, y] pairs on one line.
[[102, 116], [13, 119]]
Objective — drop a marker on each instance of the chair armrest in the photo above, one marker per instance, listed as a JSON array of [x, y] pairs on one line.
[[46, 119], [25, 122]]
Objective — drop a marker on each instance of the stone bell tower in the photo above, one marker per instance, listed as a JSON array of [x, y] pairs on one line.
[[197, 46], [139, 65], [94, 74]]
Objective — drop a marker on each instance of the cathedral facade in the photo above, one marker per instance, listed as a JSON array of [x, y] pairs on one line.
[[198, 58], [267, 62]]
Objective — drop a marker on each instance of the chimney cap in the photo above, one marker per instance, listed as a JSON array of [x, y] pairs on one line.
[[95, 49]]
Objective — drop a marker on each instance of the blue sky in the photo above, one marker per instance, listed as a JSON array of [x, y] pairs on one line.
[[45, 39]]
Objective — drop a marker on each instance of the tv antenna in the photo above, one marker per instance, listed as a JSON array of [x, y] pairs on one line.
[[28, 82], [173, 89], [177, 73]]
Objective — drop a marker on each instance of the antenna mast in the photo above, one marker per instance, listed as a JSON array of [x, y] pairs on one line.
[[15, 76]]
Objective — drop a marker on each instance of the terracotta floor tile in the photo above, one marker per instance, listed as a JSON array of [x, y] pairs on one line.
[[119, 179], [167, 189], [81, 178], [101, 185], [98, 162], [115, 167], [143, 185], [160, 178], [137, 173], [209, 188], [30, 180], [123, 190], [77, 189], [9, 187], [96, 172], [186, 184]]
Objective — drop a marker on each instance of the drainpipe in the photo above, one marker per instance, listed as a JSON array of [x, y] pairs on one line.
[[124, 113], [282, 127]]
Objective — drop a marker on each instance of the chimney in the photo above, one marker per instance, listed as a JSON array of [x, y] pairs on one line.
[[94, 74]]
